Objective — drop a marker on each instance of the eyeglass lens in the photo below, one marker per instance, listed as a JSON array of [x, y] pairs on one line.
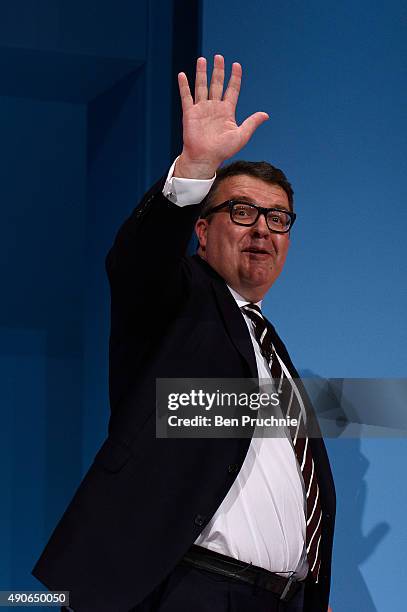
[[246, 214]]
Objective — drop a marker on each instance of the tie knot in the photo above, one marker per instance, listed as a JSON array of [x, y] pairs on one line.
[[261, 329], [252, 308]]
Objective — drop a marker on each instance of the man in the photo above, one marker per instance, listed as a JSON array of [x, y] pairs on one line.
[[201, 524]]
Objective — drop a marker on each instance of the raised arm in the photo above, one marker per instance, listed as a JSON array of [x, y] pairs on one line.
[[148, 273], [210, 132]]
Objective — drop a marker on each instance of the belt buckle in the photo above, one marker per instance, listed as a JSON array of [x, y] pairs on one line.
[[287, 594]]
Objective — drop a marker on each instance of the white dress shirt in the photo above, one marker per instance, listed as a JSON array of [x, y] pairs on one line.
[[262, 518]]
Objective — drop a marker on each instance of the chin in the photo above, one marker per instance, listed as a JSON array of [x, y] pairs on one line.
[[259, 280]]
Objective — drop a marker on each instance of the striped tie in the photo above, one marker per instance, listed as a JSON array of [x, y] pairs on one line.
[[293, 407]]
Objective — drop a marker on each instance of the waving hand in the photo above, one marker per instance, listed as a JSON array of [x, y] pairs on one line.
[[210, 131]]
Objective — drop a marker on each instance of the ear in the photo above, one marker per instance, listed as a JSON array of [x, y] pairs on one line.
[[201, 230]]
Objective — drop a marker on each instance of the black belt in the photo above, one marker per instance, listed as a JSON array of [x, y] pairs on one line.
[[206, 559]]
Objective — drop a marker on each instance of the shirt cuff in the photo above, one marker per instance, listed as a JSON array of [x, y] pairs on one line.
[[186, 191]]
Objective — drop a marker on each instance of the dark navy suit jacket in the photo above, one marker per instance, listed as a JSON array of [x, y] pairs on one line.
[[144, 500]]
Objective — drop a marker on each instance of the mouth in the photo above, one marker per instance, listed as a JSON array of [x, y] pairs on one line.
[[257, 251]]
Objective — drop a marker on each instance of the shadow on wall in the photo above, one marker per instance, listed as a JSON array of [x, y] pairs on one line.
[[352, 547]]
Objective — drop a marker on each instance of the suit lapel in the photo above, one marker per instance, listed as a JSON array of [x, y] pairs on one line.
[[232, 317]]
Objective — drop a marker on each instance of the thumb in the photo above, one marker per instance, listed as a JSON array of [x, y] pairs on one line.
[[250, 125]]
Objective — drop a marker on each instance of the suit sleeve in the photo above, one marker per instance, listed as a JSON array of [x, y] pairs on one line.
[[150, 278], [146, 260]]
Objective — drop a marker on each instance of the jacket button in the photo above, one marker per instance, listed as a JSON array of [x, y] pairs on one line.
[[233, 468], [199, 520]]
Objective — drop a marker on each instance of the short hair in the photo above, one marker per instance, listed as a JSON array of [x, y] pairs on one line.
[[259, 169]]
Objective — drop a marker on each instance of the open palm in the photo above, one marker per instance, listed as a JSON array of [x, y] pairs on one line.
[[210, 131]]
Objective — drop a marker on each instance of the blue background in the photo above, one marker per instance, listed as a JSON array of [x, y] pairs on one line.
[[85, 121]]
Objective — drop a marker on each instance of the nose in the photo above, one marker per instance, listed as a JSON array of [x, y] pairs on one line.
[[260, 228]]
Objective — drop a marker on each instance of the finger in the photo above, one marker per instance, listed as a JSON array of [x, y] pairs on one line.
[[233, 88], [201, 85], [218, 77], [250, 125], [184, 91]]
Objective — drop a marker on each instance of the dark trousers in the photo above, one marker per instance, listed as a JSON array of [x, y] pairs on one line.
[[188, 589]]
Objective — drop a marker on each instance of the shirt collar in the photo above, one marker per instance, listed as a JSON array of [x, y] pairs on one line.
[[241, 301]]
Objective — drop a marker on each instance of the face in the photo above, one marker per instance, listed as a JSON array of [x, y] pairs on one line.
[[249, 259]]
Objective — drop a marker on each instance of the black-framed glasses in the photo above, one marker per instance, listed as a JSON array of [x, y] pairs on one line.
[[241, 212]]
